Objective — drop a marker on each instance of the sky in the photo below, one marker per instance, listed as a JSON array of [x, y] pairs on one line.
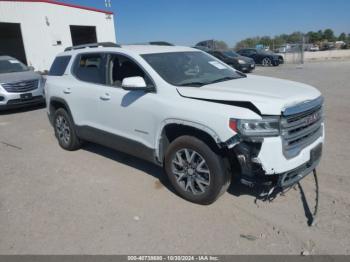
[[187, 22]]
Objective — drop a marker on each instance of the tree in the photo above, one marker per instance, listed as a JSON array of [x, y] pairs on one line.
[[314, 37], [342, 37], [248, 42], [279, 40], [221, 45], [266, 41], [328, 35], [295, 37]]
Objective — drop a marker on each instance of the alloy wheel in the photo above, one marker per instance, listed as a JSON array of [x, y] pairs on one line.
[[63, 129], [191, 171], [266, 61]]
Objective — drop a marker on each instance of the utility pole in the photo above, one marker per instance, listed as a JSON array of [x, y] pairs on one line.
[[108, 3], [302, 48]]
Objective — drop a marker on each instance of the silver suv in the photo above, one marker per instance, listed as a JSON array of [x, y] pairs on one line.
[[19, 85]]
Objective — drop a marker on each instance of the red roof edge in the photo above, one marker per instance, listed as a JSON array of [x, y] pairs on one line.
[[63, 4]]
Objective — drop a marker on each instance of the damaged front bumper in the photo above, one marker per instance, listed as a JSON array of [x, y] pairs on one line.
[[252, 173]]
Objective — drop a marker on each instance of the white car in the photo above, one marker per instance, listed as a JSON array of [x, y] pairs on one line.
[[314, 48], [185, 110]]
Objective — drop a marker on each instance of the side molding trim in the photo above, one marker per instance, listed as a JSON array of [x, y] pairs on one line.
[[116, 142]]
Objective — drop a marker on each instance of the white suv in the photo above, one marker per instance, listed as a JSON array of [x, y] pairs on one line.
[[185, 110]]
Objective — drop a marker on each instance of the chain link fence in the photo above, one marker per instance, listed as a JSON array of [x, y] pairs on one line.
[[292, 53]]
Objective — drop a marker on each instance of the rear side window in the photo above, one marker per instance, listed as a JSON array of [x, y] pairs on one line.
[[91, 68], [59, 66]]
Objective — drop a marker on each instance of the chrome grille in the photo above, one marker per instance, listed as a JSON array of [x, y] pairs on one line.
[[301, 129], [22, 86]]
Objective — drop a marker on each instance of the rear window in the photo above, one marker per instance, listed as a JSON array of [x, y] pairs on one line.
[[59, 66]]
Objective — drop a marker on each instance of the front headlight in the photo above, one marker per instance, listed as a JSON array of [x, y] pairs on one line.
[[240, 61], [268, 126]]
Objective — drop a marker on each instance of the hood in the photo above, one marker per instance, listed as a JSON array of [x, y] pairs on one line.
[[18, 76], [269, 95]]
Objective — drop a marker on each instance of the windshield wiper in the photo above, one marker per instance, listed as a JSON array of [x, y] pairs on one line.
[[199, 84], [196, 84]]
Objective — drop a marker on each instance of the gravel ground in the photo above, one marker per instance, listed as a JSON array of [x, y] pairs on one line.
[[98, 201]]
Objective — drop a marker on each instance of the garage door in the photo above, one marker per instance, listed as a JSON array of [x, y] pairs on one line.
[[83, 34], [11, 41]]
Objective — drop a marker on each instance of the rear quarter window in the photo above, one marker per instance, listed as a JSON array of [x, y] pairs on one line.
[[59, 66]]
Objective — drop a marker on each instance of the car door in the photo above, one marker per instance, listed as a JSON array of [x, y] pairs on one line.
[[88, 77], [224, 58], [253, 54], [127, 116]]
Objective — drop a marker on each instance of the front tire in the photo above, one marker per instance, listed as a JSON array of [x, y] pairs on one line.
[[197, 173], [65, 131], [266, 61]]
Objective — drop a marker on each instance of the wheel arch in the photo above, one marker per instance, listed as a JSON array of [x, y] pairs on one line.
[[174, 128], [56, 103]]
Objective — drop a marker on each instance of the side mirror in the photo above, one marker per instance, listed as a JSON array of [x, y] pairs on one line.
[[134, 83], [31, 68]]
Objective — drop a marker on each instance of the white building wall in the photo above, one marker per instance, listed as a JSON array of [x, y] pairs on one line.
[[42, 24]]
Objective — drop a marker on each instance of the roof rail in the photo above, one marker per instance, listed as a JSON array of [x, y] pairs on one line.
[[161, 43], [92, 45]]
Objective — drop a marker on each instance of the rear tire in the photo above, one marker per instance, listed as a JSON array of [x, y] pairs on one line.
[[65, 131], [197, 173]]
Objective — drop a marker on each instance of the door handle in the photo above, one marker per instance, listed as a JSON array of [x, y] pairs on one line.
[[67, 91], [105, 97]]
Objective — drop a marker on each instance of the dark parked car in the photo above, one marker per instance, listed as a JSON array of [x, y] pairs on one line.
[[265, 58], [238, 62]]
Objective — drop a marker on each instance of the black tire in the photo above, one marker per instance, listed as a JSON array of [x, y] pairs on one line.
[[219, 177], [71, 142], [266, 61]]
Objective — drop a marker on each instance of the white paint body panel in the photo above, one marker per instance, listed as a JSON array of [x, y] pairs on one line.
[[270, 95], [142, 116], [40, 38]]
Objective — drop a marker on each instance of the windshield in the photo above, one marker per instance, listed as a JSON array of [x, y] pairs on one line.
[[190, 68], [231, 53], [11, 66]]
